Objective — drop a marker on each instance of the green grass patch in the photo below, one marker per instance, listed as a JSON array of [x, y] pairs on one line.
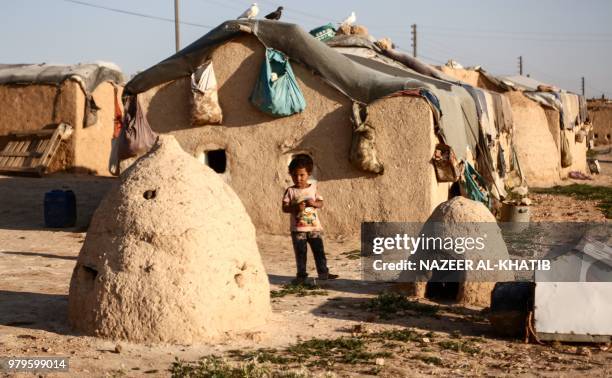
[[299, 290], [601, 194], [327, 352], [388, 304], [355, 254], [433, 360], [215, 367], [270, 355], [403, 335], [459, 346]]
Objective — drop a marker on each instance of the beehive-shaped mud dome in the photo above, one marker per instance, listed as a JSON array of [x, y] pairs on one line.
[[457, 219], [170, 256]]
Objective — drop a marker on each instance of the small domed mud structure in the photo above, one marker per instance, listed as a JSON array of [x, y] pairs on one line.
[[170, 256], [455, 219]]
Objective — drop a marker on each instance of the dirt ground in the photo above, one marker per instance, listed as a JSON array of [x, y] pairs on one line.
[[36, 265]]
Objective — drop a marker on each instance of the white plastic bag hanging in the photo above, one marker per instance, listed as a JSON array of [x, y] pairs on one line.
[[205, 108]]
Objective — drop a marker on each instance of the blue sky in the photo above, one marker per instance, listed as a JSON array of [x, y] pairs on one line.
[[560, 40]]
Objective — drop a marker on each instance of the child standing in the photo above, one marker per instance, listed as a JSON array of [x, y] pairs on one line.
[[301, 201]]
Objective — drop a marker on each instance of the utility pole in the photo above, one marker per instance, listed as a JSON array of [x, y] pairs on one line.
[[414, 40], [520, 65], [177, 38], [583, 86]]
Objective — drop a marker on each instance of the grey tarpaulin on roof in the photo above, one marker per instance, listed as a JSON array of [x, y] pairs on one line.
[[524, 82], [360, 82], [459, 121], [568, 104], [414, 64], [88, 75], [504, 120], [494, 80], [547, 99], [357, 82]]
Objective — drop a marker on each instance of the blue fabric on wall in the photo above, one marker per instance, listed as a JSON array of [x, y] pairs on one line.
[[471, 185], [281, 97]]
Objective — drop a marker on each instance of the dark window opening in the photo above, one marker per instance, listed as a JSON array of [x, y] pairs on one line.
[[217, 160], [608, 136], [454, 190], [442, 291], [596, 135]]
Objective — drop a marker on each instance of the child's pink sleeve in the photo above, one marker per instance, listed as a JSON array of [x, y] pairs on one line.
[[287, 197]]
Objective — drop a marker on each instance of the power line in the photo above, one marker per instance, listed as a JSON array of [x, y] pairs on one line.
[[489, 31], [596, 90], [123, 11], [451, 53], [225, 5], [293, 10], [522, 32], [432, 59], [485, 36]]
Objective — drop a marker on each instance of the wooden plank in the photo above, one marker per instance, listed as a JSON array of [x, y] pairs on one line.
[[17, 161], [31, 161], [16, 148], [10, 146], [25, 161], [52, 148], [32, 151], [41, 133], [48, 146], [18, 169], [21, 154], [6, 149], [42, 147]]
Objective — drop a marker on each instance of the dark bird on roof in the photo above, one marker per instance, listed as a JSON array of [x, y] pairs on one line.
[[276, 15]]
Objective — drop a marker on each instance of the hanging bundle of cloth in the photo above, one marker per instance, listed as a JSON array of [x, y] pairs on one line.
[[566, 151], [474, 186], [363, 149], [205, 108], [277, 92], [91, 111], [136, 137], [113, 162], [445, 163]]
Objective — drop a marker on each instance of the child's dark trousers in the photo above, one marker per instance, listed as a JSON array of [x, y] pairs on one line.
[[300, 241]]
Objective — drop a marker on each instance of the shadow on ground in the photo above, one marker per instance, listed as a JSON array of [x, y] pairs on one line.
[[22, 199], [39, 254], [450, 318], [340, 284], [47, 312]]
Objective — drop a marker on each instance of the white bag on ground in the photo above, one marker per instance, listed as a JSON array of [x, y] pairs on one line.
[[205, 108]]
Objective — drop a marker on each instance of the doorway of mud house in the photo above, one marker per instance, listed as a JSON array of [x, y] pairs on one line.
[[442, 291]]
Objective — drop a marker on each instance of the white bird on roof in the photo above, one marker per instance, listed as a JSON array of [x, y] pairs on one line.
[[350, 20], [251, 12]]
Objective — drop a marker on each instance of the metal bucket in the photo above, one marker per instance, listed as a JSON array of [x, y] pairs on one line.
[[516, 215]]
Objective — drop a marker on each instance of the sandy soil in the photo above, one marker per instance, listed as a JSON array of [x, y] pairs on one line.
[[36, 264]]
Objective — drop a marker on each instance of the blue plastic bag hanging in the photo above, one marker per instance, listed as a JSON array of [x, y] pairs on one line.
[[276, 91], [473, 184]]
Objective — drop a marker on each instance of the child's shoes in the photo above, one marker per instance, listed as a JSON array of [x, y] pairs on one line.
[[299, 280], [328, 276]]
